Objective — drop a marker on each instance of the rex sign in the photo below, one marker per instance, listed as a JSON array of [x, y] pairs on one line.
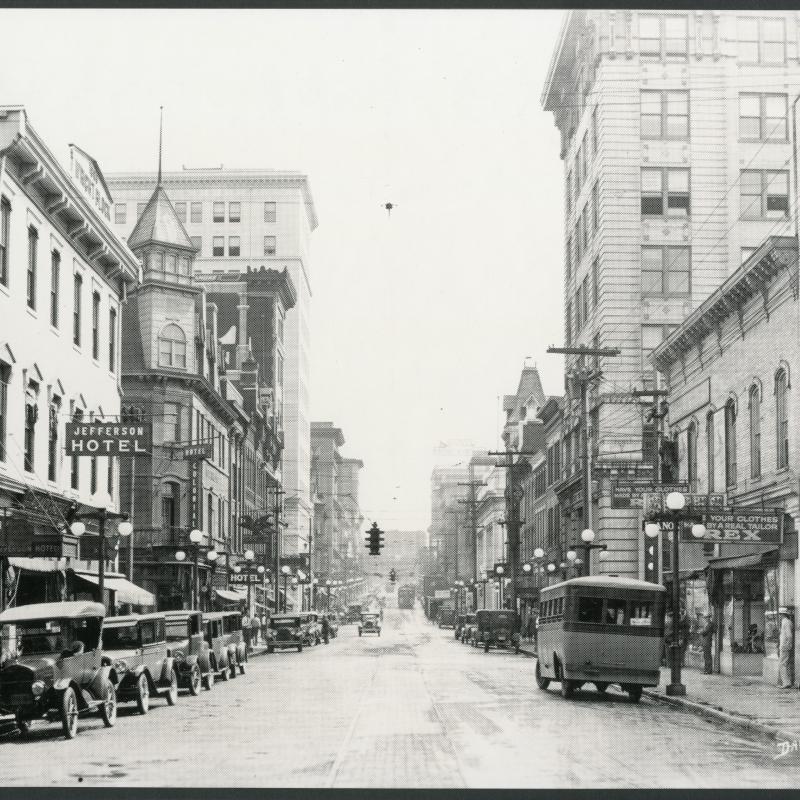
[[745, 527], [108, 438]]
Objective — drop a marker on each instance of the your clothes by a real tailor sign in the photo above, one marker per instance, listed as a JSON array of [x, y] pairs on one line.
[[108, 438], [747, 527]]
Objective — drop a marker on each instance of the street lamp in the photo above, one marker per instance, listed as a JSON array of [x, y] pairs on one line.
[[587, 537], [212, 555], [675, 502], [285, 571], [124, 528], [249, 557], [500, 570]]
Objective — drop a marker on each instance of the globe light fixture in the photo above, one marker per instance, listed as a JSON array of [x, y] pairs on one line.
[[538, 552], [587, 535], [249, 555], [195, 536], [212, 555], [563, 565], [285, 569], [526, 567], [237, 569], [125, 528], [499, 570], [571, 555], [603, 555], [77, 528], [651, 529], [579, 561], [180, 555], [675, 501], [698, 530], [260, 569], [551, 567]]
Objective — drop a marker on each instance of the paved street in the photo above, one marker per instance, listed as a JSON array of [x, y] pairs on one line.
[[412, 708]]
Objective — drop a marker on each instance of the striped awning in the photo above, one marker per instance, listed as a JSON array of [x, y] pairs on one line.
[[126, 592]]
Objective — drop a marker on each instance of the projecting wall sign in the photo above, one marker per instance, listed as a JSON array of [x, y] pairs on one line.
[[108, 439]]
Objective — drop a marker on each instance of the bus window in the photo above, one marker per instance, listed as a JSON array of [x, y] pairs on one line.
[[615, 612], [559, 606], [590, 609], [642, 612]]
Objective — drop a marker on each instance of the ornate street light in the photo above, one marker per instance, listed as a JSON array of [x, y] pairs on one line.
[[676, 502], [285, 571]]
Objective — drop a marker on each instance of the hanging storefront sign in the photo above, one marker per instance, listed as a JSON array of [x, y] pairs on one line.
[[744, 526], [100, 438], [630, 493], [200, 452], [55, 545]]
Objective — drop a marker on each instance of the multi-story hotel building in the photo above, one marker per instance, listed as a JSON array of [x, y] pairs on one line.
[[675, 141], [64, 275], [257, 218]]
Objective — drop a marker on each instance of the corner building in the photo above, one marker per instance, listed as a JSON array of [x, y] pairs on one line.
[[259, 218], [675, 142]]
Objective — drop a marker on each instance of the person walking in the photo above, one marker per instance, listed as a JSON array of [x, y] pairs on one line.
[[255, 630], [326, 628], [707, 638], [786, 649], [246, 633]]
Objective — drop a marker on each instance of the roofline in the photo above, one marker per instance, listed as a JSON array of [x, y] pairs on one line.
[[96, 166], [551, 71]]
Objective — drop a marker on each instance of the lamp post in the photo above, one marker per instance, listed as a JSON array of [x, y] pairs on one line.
[[124, 528], [587, 537], [195, 537], [249, 557], [500, 572], [285, 571]]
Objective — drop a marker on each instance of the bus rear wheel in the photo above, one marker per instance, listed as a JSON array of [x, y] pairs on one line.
[[634, 692], [541, 681]]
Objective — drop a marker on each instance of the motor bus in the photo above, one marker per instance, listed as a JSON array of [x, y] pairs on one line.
[[405, 597], [600, 630]]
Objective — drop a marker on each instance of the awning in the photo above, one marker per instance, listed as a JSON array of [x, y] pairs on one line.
[[747, 560], [34, 564], [231, 596], [126, 592]]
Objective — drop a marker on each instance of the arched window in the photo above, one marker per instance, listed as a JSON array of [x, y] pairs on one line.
[[730, 444], [172, 347], [755, 432], [710, 450], [782, 418], [691, 454], [171, 506]]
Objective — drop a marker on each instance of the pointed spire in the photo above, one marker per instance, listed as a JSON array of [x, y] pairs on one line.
[[160, 133]]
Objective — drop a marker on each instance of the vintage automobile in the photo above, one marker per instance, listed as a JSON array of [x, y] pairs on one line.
[[460, 619], [497, 628], [286, 631], [223, 634], [312, 630], [353, 613], [467, 627], [137, 647], [369, 623], [447, 617], [53, 667], [189, 649]]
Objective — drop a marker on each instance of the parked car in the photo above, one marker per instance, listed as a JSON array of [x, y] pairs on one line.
[[497, 628], [137, 647], [369, 623], [286, 631], [189, 649], [333, 623], [447, 617], [467, 628], [223, 634], [52, 666], [353, 613], [312, 631], [459, 625]]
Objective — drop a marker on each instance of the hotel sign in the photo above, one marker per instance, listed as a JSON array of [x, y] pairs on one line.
[[108, 439], [87, 177]]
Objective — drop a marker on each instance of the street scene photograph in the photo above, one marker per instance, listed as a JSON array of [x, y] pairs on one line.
[[399, 400]]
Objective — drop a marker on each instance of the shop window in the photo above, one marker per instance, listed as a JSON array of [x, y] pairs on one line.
[[730, 444], [782, 419], [755, 432]]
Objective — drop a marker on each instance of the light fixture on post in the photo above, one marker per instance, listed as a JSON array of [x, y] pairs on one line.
[[285, 570], [211, 556], [195, 537], [676, 502], [500, 571], [587, 543]]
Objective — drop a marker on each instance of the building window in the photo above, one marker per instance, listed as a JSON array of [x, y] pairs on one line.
[[172, 347], [110, 477], [55, 279], [96, 326], [233, 245], [75, 473], [666, 271], [663, 36], [197, 212], [5, 378], [140, 207], [120, 213], [762, 117], [180, 212], [210, 514], [761, 40], [270, 211], [585, 298], [219, 212], [31, 416], [170, 506], [730, 444], [5, 232], [234, 212], [691, 454], [52, 440], [595, 282], [269, 245], [755, 432], [197, 241], [76, 313], [595, 208], [710, 450], [221, 518], [33, 246], [665, 115], [782, 418], [568, 259], [112, 340], [93, 475], [652, 337], [665, 192], [764, 194], [218, 246], [568, 322]]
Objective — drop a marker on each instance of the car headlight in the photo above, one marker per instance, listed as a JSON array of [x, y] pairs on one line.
[[120, 666], [38, 688]]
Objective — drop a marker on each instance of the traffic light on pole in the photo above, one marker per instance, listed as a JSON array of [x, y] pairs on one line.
[[374, 540], [392, 575]]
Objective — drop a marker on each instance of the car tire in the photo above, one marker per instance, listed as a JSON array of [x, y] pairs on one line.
[[635, 693], [225, 673], [195, 680], [172, 692], [208, 681], [23, 726], [359, 633], [486, 647], [541, 681], [241, 667], [567, 688], [108, 705], [142, 694], [232, 663], [69, 713], [300, 648], [270, 650], [600, 686]]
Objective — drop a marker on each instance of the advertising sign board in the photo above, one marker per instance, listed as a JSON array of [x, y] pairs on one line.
[[100, 438]]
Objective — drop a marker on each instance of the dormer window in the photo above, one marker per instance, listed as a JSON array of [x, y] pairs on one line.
[[172, 347]]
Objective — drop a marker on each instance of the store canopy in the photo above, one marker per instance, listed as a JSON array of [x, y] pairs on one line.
[[230, 595], [126, 592], [35, 564], [765, 558]]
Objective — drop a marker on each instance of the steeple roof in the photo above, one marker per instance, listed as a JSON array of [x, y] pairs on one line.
[[159, 224]]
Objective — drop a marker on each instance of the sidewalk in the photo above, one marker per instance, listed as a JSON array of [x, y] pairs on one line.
[[743, 701]]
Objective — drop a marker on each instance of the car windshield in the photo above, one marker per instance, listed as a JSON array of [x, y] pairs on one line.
[[43, 637], [178, 629], [284, 622], [122, 637]]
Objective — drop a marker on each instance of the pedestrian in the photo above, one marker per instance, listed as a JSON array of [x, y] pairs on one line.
[[786, 649], [707, 637], [326, 628], [255, 630], [668, 633], [246, 632]]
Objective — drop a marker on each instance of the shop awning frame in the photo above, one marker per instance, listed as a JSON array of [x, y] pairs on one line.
[[765, 558], [126, 592]]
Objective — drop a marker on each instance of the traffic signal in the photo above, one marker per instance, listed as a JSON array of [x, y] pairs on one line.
[[392, 575], [374, 540]]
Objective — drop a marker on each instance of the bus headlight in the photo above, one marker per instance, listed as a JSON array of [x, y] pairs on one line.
[[38, 688]]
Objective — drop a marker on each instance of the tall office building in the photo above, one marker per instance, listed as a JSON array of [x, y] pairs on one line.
[[256, 218], [675, 142]]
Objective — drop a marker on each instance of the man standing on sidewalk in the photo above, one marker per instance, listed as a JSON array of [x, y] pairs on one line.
[[785, 649], [707, 636]]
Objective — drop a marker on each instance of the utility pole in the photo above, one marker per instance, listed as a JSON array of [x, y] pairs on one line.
[[472, 502], [583, 376], [276, 555], [657, 414]]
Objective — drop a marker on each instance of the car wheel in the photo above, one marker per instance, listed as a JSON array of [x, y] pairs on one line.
[[600, 686], [300, 648], [635, 693], [567, 688], [359, 633], [225, 673], [23, 725], [142, 694], [270, 650], [208, 681], [108, 706], [541, 681], [172, 692], [233, 667], [486, 647], [69, 713], [195, 679], [241, 667]]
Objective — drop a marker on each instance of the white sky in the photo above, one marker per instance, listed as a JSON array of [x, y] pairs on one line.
[[419, 320]]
